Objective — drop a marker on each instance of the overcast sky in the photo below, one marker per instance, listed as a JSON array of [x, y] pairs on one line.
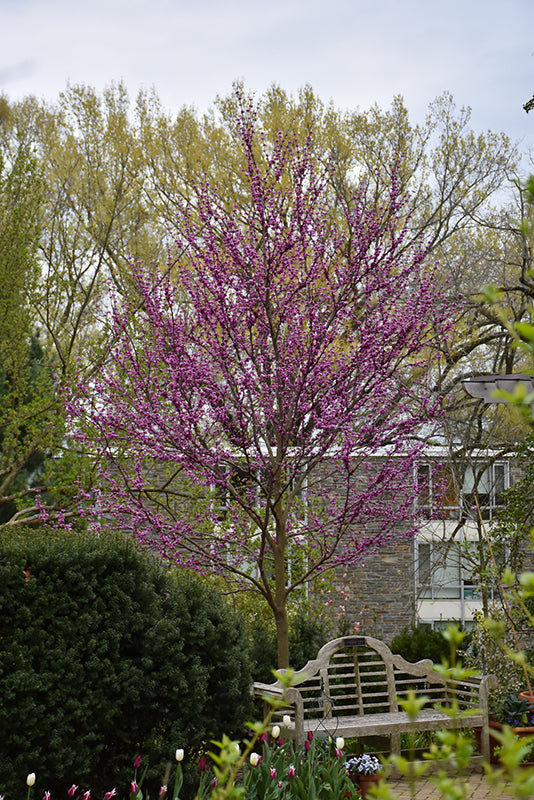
[[353, 52]]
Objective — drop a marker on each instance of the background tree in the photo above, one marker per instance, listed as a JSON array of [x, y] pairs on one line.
[[283, 354], [27, 413]]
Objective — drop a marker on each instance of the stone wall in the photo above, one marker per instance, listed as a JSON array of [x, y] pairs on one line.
[[381, 591]]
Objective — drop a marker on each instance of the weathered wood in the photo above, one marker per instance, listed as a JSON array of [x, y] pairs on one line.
[[353, 686]]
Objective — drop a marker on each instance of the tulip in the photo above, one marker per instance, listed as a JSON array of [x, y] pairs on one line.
[[87, 795], [275, 731], [72, 791], [310, 736], [213, 784], [307, 745], [340, 743], [46, 795], [291, 771], [134, 787], [286, 720], [202, 764], [162, 791], [111, 794], [273, 773], [255, 759], [180, 755], [137, 762], [30, 780]]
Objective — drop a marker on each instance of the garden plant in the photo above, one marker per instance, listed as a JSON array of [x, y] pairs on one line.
[[105, 653]]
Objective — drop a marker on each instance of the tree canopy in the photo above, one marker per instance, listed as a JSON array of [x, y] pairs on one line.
[[285, 350]]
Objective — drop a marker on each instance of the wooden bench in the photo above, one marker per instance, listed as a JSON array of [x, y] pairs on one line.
[[353, 686]]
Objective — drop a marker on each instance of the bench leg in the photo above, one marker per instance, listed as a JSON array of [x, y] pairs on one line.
[[485, 743], [396, 744]]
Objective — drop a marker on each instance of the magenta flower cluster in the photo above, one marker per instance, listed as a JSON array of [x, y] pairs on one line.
[[290, 347]]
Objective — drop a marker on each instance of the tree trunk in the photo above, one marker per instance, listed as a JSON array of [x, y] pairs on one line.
[[282, 636]]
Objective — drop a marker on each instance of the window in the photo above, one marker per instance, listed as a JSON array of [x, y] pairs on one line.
[[439, 497], [299, 484], [243, 484], [486, 488], [444, 495], [252, 488], [444, 571]]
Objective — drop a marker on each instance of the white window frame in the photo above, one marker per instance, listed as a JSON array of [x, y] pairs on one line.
[[463, 508]]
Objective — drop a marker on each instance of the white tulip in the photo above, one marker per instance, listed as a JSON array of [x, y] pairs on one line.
[[286, 720], [180, 755], [30, 780], [255, 759], [275, 731], [340, 743]]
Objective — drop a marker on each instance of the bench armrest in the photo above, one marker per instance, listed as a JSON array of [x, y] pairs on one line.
[[267, 690]]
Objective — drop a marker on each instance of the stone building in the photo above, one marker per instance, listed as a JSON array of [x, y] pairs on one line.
[[443, 573]]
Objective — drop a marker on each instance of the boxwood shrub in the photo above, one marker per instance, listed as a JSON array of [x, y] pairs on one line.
[[106, 654]]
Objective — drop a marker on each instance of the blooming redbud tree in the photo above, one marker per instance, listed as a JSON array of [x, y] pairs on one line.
[[263, 405]]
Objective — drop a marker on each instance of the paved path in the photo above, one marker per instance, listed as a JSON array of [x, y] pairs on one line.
[[427, 790]]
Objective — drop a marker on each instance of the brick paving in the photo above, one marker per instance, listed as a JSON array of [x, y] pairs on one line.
[[479, 789]]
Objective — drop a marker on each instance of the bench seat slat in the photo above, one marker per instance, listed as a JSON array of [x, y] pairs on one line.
[[390, 722]]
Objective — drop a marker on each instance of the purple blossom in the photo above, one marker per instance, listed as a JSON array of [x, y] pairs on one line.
[[284, 342]]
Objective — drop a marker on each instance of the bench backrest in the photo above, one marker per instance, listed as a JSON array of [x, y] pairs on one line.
[[357, 675]]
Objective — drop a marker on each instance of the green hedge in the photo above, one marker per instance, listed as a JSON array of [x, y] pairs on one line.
[[105, 654], [420, 642]]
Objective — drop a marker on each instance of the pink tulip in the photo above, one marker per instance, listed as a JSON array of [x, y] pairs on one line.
[[72, 791], [137, 762]]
